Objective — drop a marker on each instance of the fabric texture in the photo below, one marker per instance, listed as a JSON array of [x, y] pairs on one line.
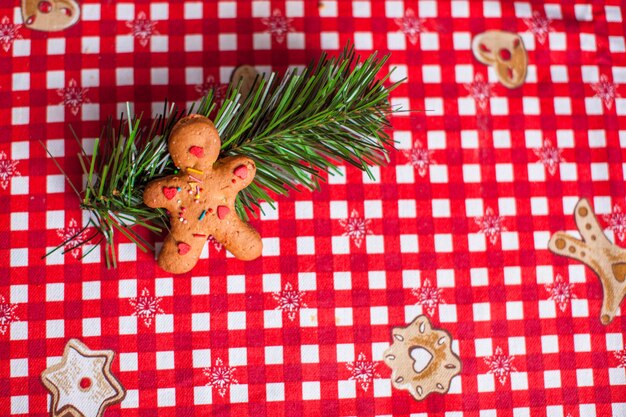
[[455, 227]]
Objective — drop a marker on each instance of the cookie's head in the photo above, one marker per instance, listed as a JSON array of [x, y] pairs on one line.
[[50, 15], [194, 143], [506, 52]]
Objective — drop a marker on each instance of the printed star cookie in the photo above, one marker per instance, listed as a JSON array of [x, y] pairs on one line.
[[82, 384]]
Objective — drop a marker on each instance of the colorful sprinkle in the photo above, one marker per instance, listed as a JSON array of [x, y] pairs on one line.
[[198, 235], [191, 177], [202, 215], [195, 171]]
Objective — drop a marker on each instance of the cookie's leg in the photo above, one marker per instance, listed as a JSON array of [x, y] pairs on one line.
[[180, 255], [236, 171], [239, 238]]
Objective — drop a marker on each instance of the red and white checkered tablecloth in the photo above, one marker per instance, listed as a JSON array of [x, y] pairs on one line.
[[455, 227]]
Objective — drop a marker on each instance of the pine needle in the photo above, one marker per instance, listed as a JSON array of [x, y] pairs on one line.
[[296, 129]]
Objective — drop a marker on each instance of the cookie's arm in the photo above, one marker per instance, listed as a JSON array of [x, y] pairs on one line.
[[163, 193], [588, 225], [236, 170], [565, 245]]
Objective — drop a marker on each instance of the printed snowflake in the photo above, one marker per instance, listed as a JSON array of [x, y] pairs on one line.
[[561, 292], [290, 300], [217, 245], [428, 296], [8, 170], [278, 25], [9, 32], [146, 307], [363, 371], [219, 90], [539, 25], [142, 28], [73, 96], [490, 225], [549, 156], [220, 376], [605, 91], [500, 365], [480, 90], [7, 314], [356, 227], [410, 25], [617, 222], [73, 237], [621, 358], [420, 157]]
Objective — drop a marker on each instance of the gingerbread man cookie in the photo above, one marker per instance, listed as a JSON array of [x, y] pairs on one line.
[[607, 260], [201, 197], [50, 15], [82, 384], [421, 359], [505, 52]]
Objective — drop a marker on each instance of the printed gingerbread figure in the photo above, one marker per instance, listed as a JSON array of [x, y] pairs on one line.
[[50, 15], [201, 197]]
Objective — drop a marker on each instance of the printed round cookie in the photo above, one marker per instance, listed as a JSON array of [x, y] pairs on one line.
[[505, 52], [50, 15], [421, 359]]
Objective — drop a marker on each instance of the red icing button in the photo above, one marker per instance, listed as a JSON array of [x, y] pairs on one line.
[[222, 211], [197, 151], [85, 383], [45, 6], [241, 171], [183, 248], [170, 192]]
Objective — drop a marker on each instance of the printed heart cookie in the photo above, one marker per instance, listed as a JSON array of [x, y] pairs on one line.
[[505, 52], [201, 197], [50, 15]]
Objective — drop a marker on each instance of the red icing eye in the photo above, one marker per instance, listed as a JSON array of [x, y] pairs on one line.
[[45, 6], [30, 20], [222, 211], [67, 12], [505, 54], [241, 171], [85, 383], [197, 151], [484, 48], [183, 248]]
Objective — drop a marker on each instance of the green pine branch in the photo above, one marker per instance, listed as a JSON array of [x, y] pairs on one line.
[[297, 129]]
